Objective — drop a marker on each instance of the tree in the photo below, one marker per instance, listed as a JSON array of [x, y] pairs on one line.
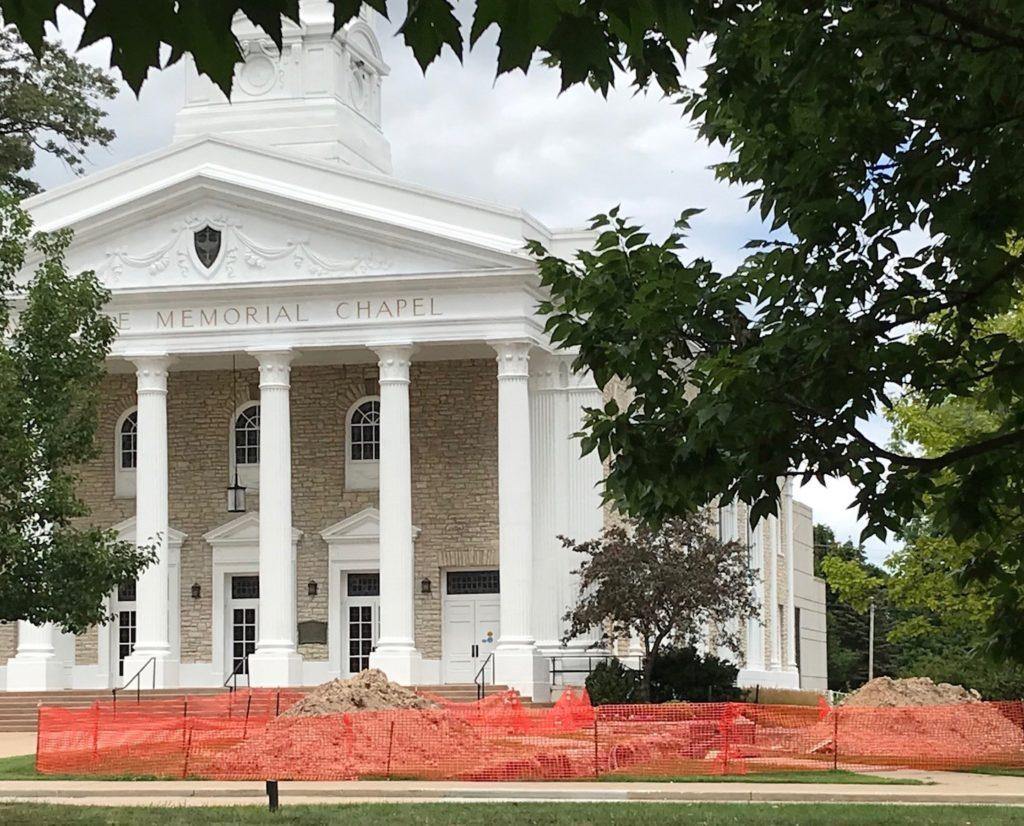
[[851, 583], [664, 585], [52, 569], [50, 105]]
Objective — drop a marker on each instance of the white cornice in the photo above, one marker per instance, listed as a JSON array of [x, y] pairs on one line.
[[225, 162]]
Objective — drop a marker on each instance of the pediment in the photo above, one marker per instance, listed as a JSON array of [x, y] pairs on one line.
[[278, 218], [243, 530], [126, 533], [255, 246], [360, 527]]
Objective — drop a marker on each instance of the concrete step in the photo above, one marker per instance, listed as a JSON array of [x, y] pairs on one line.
[[18, 710]]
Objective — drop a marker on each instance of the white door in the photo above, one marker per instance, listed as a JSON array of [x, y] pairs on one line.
[[472, 606], [243, 607], [361, 613], [122, 629]]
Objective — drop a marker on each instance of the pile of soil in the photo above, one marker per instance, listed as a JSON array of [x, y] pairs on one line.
[[369, 690], [885, 692]]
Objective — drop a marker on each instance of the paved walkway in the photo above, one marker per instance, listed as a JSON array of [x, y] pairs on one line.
[[946, 787], [13, 743]]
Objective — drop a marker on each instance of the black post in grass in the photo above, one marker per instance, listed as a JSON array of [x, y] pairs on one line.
[[272, 797]]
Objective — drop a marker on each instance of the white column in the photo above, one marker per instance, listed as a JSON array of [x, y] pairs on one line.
[[755, 624], [276, 661], [585, 509], [152, 615], [549, 431], [37, 665], [396, 653], [772, 614], [788, 549], [517, 661]]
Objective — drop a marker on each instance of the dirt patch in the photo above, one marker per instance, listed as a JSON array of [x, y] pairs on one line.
[[369, 690], [885, 692]]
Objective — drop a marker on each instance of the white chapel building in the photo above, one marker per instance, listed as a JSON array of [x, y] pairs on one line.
[[363, 357]]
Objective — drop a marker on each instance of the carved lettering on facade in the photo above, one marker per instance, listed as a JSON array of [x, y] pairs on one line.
[[277, 315]]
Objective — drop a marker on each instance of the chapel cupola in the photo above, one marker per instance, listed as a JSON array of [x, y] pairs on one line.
[[320, 96]]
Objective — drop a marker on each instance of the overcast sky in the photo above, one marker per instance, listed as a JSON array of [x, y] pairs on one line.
[[517, 142]]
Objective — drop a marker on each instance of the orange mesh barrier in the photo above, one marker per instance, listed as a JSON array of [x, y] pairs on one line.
[[241, 737]]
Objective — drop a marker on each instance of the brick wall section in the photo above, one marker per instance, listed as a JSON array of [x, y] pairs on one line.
[[454, 463]]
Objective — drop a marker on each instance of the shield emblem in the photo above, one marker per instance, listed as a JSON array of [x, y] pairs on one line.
[[207, 243]]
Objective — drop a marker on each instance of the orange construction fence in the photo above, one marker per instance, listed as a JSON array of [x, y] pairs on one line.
[[247, 736]]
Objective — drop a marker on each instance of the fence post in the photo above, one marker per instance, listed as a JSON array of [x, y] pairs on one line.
[[95, 731], [391, 743], [725, 738], [597, 765], [835, 738], [188, 748], [245, 725], [277, 713]]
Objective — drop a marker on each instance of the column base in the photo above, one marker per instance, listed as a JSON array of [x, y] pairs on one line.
[[161, 673], [523, 669], [750, 677], [30, 672], [275, 669], [401, 665]]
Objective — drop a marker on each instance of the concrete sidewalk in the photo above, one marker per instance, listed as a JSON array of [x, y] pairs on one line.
[[13, 743], [946, 787]]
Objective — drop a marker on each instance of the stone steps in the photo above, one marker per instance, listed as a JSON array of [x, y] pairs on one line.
[[18, 709]]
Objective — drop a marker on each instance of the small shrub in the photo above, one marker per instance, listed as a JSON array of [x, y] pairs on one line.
[[612, 683], [682, 674]]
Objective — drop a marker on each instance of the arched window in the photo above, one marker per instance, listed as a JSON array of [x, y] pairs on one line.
[[128, 441], [362, 448], [247, 436], [364, 432], [126, 453]]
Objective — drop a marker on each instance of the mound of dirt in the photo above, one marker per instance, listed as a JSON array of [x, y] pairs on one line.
[[369, 690], [885, 692]]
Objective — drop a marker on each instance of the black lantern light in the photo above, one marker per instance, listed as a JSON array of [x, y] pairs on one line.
[[425, 585], [197, 590], [311, 589], [236, 496], [235, 491]]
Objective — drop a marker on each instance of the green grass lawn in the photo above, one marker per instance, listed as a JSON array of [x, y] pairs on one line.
[[1000, 771], [493, 814], [24, 768]]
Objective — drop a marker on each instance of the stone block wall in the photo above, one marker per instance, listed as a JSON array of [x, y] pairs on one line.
[[453, 414]]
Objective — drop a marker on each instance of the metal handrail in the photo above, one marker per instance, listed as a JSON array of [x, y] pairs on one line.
[[233, 676], [590, 658], [136, 678], [480, 680]]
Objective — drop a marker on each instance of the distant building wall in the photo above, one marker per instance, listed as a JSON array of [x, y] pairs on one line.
[[809, 600]]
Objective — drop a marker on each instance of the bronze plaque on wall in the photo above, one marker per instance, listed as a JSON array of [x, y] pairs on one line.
[[312, 632]]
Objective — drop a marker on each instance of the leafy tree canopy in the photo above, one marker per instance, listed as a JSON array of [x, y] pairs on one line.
[[663, 585], [54, 338], [52, 567], [49, 104]]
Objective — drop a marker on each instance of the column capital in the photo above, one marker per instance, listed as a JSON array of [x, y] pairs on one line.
[[393, 359], [275, 367], [513, 358], [151, 371]]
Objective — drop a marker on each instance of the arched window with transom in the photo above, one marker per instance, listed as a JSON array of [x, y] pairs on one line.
[[362, 444], [245, 446], [126, 453], [128, 448], [247, 436]]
